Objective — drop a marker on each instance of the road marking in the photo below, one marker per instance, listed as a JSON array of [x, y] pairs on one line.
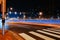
[[26, 37], [48, 33], [51, 31], [41, 36]]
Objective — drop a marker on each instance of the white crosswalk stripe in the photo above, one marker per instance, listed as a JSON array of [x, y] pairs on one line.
[[26, 37], [57, 30], [58, 36], [51, 31], [41, 36]]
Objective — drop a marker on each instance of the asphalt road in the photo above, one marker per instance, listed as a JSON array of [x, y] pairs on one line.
[[34, 32], [31, 32]]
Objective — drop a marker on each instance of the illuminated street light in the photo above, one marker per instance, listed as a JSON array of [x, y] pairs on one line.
[[24, 17], [17, 17], [40, 14], [5, 17], [11, 8], [58, 16], [7, 13], [10, 12], [15, 13]]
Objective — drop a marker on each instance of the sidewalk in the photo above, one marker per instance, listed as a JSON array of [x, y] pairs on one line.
[[9, 35]]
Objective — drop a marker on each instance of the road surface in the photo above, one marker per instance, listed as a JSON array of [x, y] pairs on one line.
[[30, 32]]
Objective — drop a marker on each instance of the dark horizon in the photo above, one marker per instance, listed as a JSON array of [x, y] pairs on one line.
[[49, 7], [33, 3]]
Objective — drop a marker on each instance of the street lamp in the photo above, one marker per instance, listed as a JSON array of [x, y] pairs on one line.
[[15, 13], [11, 8], [7, 14], [40, 14], [24, 16], [58, 16], [10, 12]]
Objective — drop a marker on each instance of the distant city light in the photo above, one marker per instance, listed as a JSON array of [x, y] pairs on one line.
[[17, 17], [52, 17], [10, 12], [11, 8], [20, 13], [7, 17], [15, 12], [40, 13], [7, 13], [24, 16], [58, 17]]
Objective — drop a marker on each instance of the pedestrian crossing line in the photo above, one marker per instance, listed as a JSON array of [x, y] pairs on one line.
[[51, 28], [48, 33], [37, 38], [51, 31], [41, 36], [57, 30], [26, 37]]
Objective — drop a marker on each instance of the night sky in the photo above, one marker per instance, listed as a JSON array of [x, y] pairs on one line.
[[47, 6], [29, 4], [24, 4]]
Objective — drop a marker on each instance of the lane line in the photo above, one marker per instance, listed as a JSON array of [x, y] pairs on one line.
[[51, 31], [58, 36], [26, 37], [41, 36]]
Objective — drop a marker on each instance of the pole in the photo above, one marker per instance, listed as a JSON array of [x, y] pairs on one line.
[[3, 15]]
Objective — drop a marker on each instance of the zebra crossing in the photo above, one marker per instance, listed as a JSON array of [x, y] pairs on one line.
[[58, 30], [51, 31], [27, 37], [45, 34]]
